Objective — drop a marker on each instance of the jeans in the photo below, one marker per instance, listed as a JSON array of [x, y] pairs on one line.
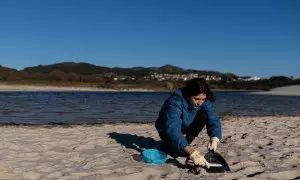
[[190, 133], [196, 126]]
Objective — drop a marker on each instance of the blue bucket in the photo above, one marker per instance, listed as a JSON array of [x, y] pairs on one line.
[[154, 156]]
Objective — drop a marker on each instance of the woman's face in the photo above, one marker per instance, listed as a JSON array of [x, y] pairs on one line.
[[198, 100]]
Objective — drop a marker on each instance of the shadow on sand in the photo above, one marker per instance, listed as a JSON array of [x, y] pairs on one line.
[[139, 143]]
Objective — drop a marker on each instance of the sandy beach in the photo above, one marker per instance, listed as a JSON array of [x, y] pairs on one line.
[[288, 90], [282, 91], [254, 147], [32, 88]]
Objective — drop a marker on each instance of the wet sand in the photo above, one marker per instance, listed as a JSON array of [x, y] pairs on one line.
[[254, 147]]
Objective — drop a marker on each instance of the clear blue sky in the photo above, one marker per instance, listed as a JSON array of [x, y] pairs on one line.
[[253, 37]]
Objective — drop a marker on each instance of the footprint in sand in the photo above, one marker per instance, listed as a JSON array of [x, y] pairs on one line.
[[293, 142], [282, 175], [262, 142], [242, 165], [232, 153]]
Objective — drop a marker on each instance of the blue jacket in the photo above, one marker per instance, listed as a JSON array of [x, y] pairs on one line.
[[177, 114]]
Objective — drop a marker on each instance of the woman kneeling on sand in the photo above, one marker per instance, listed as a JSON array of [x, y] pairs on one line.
[[182, 117]]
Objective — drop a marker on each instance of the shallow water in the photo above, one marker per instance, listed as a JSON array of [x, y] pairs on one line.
[[103, 107]]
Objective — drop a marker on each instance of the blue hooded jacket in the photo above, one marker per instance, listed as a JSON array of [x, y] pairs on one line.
[[177, 114]]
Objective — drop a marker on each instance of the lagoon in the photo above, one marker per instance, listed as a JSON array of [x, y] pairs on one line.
[[114, 107]]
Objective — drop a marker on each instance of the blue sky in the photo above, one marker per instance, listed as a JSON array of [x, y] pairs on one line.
[[257, 37]]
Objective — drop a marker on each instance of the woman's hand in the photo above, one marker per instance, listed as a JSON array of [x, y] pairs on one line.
[[213, 143], [198, 159]]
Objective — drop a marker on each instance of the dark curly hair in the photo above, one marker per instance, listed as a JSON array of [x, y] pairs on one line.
[[196, 86]]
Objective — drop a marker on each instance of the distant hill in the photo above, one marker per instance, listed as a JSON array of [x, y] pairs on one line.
[[68, 67], [7, 74], [85, 74], [7, 69], [90, 69], [169, 69]]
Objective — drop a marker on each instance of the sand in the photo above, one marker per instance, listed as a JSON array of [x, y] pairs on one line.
[[288, 90], [254, 147], [283, 91], [32, 88]]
